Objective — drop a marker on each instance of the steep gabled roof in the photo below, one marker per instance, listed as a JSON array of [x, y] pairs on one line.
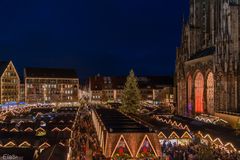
[[3, 66]]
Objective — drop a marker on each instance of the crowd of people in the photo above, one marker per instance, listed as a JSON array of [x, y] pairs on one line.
[[195, 151], [85, 137], [86, 145]]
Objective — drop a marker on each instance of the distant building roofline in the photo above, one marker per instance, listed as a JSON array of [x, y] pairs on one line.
[[36, 72]]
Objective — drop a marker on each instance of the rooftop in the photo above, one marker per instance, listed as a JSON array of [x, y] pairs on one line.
[[50, 127], [203, 53], [3, 66], [150, 82], [50, 73], [116, 122], [224, 133], [159, 126]]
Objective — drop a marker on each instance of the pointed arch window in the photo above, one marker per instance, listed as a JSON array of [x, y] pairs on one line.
[[199, 85], [210, 92]]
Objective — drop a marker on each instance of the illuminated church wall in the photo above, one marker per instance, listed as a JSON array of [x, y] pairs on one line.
[[198, 89], [210, 93], [203, 91], [213, 50], [190, 105]]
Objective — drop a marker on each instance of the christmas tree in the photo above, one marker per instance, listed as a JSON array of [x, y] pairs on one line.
[[131, 95]]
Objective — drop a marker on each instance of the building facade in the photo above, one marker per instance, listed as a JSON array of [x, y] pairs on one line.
[[208, 59], [154, 89], [121, 137], [10, 83], [51, 85], [22, 92]]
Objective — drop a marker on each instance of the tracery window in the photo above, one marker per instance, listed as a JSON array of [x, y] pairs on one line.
[[199, 85], [210, 92]]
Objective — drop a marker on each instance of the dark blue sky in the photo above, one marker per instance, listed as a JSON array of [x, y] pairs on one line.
[[93, 36]]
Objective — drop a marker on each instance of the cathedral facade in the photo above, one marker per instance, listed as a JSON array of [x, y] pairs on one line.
[[208, 59]]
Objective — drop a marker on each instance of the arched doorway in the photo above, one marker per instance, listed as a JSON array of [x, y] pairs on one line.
[[210, 93], [189, 107], [199, 86]]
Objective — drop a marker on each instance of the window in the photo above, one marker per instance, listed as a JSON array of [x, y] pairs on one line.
[[189, 94], [199, 85], [210, 92]]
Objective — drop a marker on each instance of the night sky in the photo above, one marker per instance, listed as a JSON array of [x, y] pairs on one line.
[[93, 36]]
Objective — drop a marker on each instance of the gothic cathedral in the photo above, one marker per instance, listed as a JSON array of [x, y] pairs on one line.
[[208, 59]]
